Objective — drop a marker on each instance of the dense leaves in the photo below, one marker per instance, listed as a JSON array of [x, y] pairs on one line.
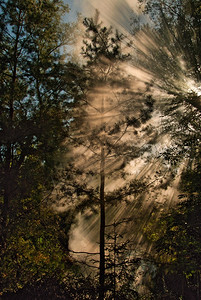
[[177, 239], [33, 104], [32, 94], [173, 56], [45, 99]]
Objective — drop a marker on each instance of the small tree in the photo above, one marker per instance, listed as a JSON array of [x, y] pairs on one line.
[[121, 265]]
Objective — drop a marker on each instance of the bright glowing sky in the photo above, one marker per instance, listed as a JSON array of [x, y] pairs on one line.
[[114, 12]]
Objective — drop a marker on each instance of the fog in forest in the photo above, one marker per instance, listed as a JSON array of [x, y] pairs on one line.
[[142, 81], [100, 149]]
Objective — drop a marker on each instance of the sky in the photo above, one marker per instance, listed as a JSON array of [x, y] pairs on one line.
[[113, 12]]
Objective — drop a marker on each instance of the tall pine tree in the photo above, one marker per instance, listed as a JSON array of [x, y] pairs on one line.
[[104, 128]]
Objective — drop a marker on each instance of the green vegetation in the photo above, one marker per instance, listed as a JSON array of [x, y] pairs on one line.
[[68, 128]]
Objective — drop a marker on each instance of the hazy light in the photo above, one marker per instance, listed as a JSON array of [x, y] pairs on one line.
[[117, 13]]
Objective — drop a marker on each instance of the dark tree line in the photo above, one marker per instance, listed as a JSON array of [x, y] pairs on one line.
[[33, 113]]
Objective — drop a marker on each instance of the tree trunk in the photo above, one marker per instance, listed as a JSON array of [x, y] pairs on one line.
[[102, 215], [9, 153], [102, 225]]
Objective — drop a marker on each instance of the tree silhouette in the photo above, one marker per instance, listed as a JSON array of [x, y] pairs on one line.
[[32, 93], [104, 126]]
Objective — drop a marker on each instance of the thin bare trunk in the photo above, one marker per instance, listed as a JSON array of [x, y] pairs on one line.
[[102, 225], [102, 218]]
